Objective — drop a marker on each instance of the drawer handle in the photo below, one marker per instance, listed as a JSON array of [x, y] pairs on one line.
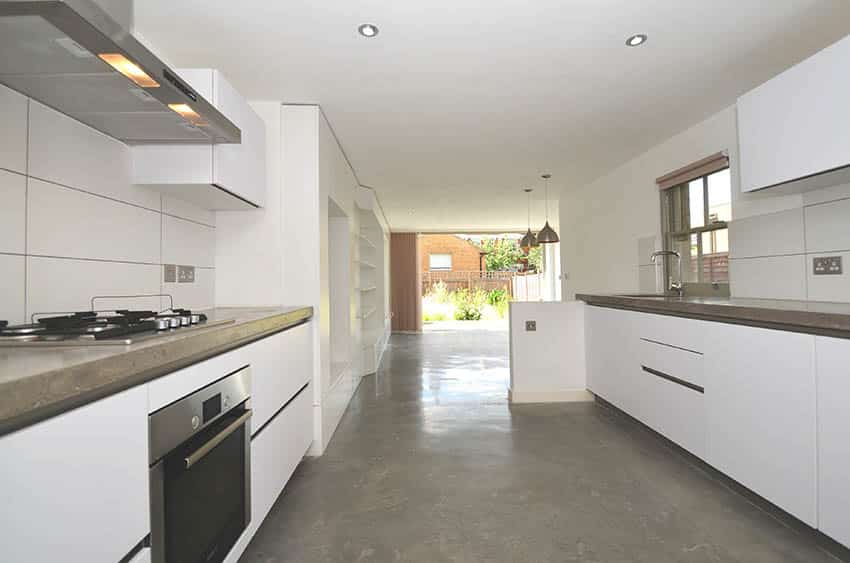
[[199, 454], [676, 380]]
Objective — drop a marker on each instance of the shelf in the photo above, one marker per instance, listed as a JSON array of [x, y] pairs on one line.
[[370, 288], [365, 239], [367, 313], [367, 265]]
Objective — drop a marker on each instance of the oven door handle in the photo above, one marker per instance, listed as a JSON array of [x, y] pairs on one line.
[[199, 454]]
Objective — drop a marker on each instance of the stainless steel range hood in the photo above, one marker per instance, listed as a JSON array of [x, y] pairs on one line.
[[72, 56]]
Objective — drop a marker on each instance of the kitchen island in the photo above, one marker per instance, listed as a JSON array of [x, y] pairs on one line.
[[754, 388]]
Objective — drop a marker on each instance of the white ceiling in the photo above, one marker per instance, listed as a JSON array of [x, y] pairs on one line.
[[458, 104]]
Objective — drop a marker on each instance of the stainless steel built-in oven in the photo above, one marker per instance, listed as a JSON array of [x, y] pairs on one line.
[[200, 474]]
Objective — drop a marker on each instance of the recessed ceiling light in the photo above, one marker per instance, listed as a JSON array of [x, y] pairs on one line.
[[636, 40], [368, 30]]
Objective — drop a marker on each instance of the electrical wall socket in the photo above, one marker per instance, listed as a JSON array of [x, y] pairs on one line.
[[531, 326], [169, 273], [185, 274], [827, 266]]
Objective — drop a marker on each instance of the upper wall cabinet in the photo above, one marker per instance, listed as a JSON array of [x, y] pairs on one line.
[[218, 177], [794, 128]]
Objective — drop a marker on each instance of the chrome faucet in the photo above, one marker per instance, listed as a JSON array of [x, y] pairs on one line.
[[676, 286]]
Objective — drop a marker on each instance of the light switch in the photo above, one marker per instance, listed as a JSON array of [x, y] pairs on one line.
[[169, 273]]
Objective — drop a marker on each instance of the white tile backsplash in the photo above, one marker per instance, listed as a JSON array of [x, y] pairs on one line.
[[651, 279], [12, 284], [828, 226], [829, 288], [200, 295], [64, 151], [185, 210], [13, 135], [771, 277], [79, 228], [70, 223], [60, 284], [186, 242], [13, 202], [773, 234], [646, 246]]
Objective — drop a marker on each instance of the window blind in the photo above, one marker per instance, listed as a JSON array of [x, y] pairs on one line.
[[707, 165]]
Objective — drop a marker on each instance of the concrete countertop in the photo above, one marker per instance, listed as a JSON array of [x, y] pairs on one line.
[[38, 382], [811, 317]]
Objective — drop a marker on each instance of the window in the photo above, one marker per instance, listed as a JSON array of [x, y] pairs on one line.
[[695, 217], [440, 262]]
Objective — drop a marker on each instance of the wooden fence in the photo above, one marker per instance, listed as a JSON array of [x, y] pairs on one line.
[[521, 286], [486, 281]]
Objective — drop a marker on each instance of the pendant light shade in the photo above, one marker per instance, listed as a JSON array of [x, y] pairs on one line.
[[529, 241], [547, 234]]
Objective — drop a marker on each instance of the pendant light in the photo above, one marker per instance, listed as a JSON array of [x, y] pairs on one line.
[[529, 241], [547, 234]]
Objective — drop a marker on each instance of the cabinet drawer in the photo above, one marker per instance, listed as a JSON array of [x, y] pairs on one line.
[[678, 413], [280, 365], [277, 450], [674, 364]]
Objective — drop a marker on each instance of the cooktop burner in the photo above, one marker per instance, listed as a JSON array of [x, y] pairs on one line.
[[102, 327]]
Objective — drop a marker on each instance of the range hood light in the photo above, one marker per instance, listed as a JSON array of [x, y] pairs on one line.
[[129, 69], [187, 113]]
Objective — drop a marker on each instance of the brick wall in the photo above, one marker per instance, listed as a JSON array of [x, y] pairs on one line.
[[465, 255]]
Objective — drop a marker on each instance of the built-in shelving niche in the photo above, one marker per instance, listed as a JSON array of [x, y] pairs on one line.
[[372, 310], [339, 292]]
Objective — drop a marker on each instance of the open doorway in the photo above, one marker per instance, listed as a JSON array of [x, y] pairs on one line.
[[468, 280]]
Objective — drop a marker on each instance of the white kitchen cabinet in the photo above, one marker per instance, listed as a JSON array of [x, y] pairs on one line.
[[612, 365], [275, 453], [833, 380], [219, 177], [761, 402], [75, 487], [672, 392], [280, 365], [277, 450], [794, 125]]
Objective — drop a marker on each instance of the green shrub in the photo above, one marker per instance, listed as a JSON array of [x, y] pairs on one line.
[[468, 304], [439, 293], [497, 296]]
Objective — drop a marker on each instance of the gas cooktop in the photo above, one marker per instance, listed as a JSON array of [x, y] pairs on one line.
[[119, 327]]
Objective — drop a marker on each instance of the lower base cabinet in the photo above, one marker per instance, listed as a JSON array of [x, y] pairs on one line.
[[762, 423], [833, 369], [75, 487], [743, 399], [275, 453]]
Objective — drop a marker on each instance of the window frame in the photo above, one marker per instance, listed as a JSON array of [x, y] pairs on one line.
[[668, 235], [451, 262]]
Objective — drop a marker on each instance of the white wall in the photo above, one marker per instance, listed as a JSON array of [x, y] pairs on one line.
[[537, 374], [72, 226], [249, 244], [610, 226]]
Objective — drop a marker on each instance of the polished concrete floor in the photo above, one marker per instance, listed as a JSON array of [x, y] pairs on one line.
[[430, 464]]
